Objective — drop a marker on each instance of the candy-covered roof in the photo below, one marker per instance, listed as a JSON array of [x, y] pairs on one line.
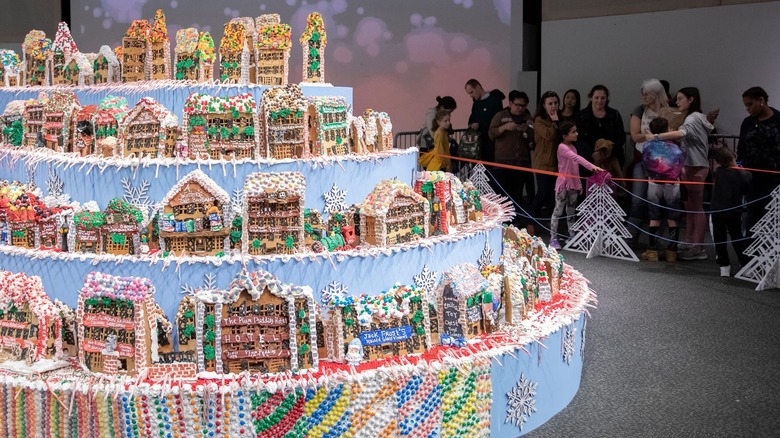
[[384, 121], [86, 113], [187, 40], [19, 289], [249, 24], [63, 40], [289, 96], [465, 280], [390, 304], [329, 104], [380, 200], [274, 36], [167, 119], [37, 45], [201, 178], [139, 29], [116, 205], [256, 282], [293, 183], [206, 48], [198, 103], [62, 101], [159, 30], [232, 38], [9, 59], [109, 55], [99, 284], [116, 106], [315, 30], [432, 176]]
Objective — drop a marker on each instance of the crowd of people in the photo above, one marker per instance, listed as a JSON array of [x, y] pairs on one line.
[[670, 167]]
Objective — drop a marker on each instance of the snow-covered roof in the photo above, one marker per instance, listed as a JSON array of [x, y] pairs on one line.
[[63, 40], [166, 117], [201, 178], [186, 40], [109, 54], [294, 183], [465, 280], [380, 200]]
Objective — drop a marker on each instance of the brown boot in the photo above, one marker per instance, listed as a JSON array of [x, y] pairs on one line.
[[650, 255], [671, 256]]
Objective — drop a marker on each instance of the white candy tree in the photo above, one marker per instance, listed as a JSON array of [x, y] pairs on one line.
[[599, 230], [764, 267]]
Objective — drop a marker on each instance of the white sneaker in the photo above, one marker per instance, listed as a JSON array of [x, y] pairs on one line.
[[725, 271]]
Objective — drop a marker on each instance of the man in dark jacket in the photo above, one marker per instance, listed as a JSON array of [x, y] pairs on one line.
[[483, 109]]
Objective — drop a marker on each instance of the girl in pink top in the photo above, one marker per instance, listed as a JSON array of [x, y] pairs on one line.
[[567, 188]]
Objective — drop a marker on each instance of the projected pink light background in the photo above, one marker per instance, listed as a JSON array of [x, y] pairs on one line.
[[397, 55]]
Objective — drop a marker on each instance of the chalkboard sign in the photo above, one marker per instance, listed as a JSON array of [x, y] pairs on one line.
[[451, 313], [474, 313]]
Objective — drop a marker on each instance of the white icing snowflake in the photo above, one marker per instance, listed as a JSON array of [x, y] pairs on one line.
[[54, 185], [582, 337], [521, 402], [138, 196], [334, 199], [567, 347], [486, 258], [209, 283], [480, 179], [334, 288], [237, 198], [426, 279]]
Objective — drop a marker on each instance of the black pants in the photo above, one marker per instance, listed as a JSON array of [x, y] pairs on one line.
[[514, 182], [731, 224], [545, 193]]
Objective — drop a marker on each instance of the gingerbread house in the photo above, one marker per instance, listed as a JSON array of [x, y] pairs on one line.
[[53, 219], [435, 187], [85, 233], [106, 67], [135, 48], [393, 213], [193, 217], [13, 123], [457, 214], [110, 111], [313, 40], [83, 130], [185, 322], [394, 323], [520, 291], [36, 58], [186, 62], [121, 231], [206, 57], [158, 49], [328, 125], [58, 112], [149, 129], [30, 323], [273, 50], [220, 127], [10, 68], [21, 217], [461, 294], [282, 113], [64, 67], [117, 324], [267, 326], [273, 208], [80, 69], [357, 134], [378, 131], [33, 121], [234, 54]]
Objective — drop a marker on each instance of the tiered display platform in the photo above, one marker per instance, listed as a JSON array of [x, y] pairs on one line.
[[499, 380]]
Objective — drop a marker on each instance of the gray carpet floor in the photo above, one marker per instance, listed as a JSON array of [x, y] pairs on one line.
[[674, 350]]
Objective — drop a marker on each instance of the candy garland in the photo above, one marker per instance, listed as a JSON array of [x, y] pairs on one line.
[[336, 402], [278, 414]]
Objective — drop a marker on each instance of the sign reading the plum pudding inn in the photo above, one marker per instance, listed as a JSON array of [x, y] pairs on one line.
[[378, 337]]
